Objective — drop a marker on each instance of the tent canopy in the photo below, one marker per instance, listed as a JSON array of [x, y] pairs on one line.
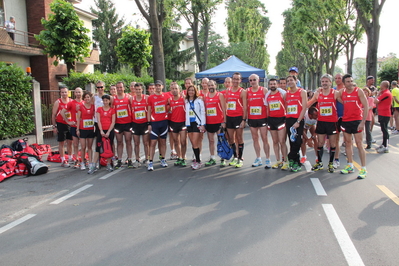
[[228, 68]]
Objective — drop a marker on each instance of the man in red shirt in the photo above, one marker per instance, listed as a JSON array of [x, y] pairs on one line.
[[384, 102], [353, 121]]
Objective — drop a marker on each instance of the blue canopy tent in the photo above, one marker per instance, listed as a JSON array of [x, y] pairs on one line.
[[228, 68]]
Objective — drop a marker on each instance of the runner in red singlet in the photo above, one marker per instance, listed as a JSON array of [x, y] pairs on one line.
[[353, 121], [61, 127]]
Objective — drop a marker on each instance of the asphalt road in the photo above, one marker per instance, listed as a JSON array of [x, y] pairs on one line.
[[211, 216]]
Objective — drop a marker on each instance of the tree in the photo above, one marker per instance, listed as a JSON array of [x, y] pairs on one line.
[[198, 14], [64, 36], [369, 12], [247, 26], [134, 49], [107, 30], [156, 13], [217, 49], [173, 56], [359, 72], [389, 69]]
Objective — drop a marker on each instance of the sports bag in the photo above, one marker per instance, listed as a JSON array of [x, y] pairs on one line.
[[55, 157], [223, 147], [21, 169], [7, 167], [33, 163], [107, 151], [6, 150], [20, 144]]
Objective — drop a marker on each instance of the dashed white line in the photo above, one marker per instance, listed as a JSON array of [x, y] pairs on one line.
[[15, 223], [110, 174], [308, 166], [318, 187], [71, 194], [351, 255]]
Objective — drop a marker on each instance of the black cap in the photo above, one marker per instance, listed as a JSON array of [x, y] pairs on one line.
[[370, 77], [158, 82]]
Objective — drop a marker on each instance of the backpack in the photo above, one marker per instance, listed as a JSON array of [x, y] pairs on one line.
[[33, 163], [6, 150], [19, 145], [55, 157], [223, 147], [7, 167], [107, 151]]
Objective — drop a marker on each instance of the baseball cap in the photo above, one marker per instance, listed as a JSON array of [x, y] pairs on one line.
[[370, 77], [158, 82], [293, 69]]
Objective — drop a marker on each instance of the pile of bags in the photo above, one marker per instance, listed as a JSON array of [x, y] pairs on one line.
[[22, 159]]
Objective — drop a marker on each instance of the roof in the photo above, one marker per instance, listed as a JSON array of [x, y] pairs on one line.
[[228, 68]]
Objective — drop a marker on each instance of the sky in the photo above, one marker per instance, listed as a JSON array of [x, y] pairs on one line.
[[388, 43]]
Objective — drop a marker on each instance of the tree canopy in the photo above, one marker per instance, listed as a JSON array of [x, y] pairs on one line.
[[64, 36]]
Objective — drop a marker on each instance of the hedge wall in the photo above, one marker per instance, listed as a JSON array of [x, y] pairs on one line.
[[16, 107]]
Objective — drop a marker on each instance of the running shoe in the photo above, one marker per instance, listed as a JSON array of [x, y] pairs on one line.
[[77, 164], [293, 134], [196, 166], [70, 160], [92, 169], [65, 164], [303, 159], [331, 168], [257, 162], [178, 162], [286, 166], [268, 164], [150, 167], [382, 149], [318, 166], [295, 167], [183, 163], [277, 165], [239, 163], [291, 163], [368, 147], [234, 162], [130, 164], [210, 162], [173, 156], [164, 163], [118, 164], [336, 163], [109, 168], [347, 170], [82, 167], [222, 163], [362, 174], [136, 164], [395, 132]]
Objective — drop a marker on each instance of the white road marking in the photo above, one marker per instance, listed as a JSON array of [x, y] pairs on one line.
[[308, 166], [111, 174], [351, 255], [70, 194], [318, 187], [15, 223]]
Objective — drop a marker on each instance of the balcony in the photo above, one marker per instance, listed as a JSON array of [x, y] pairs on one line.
[[24, 44]]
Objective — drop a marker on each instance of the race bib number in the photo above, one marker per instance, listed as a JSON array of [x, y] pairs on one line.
[[255, 110], [211, 111], [88, 123], [231, 105], [274, 106], [191, 113], [160, 109], [140, 115], [326, 111], [122, 113], [68, 115], [292, 109]]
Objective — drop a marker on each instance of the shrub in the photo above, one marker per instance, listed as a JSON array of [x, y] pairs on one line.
[[16, 107]]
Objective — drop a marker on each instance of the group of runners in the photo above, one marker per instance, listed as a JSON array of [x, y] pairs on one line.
[[284, 109]]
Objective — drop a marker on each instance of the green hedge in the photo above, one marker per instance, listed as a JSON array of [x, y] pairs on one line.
[[16, 107], [82, 79]]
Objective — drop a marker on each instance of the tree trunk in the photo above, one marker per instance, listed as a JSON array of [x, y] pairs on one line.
[[157, 49], [70, 66], [373, 36]]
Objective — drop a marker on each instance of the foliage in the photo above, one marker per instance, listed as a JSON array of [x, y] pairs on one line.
[[134, 48], [82, 79], [359, 72], [16, 109], [247, 26], [217, 49], [198, 14], [107, 29], [389, 69], [173, 57], [64, 36]]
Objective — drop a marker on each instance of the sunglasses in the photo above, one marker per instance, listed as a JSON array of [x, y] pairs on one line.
[[252, 80], [100, 87]]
